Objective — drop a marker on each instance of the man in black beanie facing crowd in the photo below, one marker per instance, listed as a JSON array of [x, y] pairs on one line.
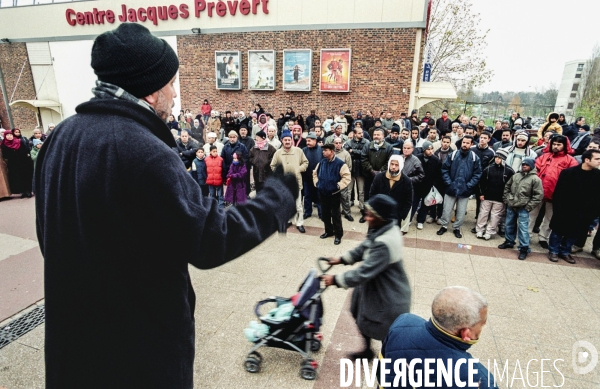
[[119, 300]]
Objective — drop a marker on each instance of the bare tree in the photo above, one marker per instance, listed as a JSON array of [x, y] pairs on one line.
[[456, 44]]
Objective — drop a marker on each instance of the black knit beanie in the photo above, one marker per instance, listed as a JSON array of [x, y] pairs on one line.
[[383, 207], [132, 58]]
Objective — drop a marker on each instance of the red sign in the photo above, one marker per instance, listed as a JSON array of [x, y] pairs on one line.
[[166, 12]]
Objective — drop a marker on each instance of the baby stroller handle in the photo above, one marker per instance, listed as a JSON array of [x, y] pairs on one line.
[[277, 300], [319, 264]]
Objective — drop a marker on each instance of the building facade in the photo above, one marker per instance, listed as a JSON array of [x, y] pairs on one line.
[[569, 89], [371, 48]]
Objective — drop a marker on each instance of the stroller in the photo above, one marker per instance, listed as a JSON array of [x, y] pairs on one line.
[[293, 325]]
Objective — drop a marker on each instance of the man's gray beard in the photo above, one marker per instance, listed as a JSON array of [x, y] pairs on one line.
[[377, 142], [394, 174], [296, 137]]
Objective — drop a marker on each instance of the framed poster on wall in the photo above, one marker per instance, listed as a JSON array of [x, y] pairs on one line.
[[261, 69], [228, 70], [297, 70], [334, 75]]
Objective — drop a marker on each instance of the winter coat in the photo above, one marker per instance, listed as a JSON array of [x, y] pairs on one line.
[[344, 156], [510, 160], [501, 145], [444, 126], [186, 152], [310, 121], [486, 156], [214, 170], [19, 166], [549, 166], [374, 159], [547, 126], [198, 133], [581, 142], [387, 124], [355, 148], [205, 109], [411, 337], [213, 125], [249, 143], [381, 288], [314, 156], [227, 155], [572, 131], [524, 190], [331, 177], [229, 124], [260, 160], [433, 175], [118, 296], [413, 169], [461, 173], [198, 171], [401, 191], [293, 161], [493, 180], [236, 189], [583, 186]]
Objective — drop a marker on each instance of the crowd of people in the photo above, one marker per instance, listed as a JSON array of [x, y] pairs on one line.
[[510, 170]]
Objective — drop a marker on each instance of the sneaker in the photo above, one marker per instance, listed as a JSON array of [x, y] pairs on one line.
[[479, 235], [544, 244], [487, 236], [576, 249], [442, 231], [567, 258], [419, 226], [429, 220]]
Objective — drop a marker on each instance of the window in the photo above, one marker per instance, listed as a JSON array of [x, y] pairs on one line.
[[580, 67], [575, 87], [574, 94], [570, 106], [578, 75]]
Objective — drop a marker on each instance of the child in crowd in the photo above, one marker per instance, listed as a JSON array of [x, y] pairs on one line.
[[199, 171], [236, 181], [214, 178], [37, 145]]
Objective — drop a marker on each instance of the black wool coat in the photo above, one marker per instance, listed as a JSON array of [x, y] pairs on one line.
[[118, 225], [401, 191]]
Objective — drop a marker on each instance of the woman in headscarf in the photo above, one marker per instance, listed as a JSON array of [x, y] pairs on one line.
[[16, 152]]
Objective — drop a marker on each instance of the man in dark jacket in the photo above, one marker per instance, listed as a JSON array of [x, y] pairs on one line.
[[461, 173], [486, 156], [458, 315], [374, 160], [491, 190], [314, 154], [572, 131], [331, 176], [432, 167], [355, 147], [248, 142], [394, 140], [582, 140], [570, 221], [119, 299], [186, 148], [444, 123], [310, 120], [197, 131], [504, 141], [395, 184]]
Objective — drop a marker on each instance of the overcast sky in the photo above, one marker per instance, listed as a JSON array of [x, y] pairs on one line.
[[531, 40]]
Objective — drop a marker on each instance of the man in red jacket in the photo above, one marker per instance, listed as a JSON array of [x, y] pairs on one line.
[[554, 160]]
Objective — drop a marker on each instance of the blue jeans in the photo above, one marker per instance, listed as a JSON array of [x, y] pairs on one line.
[[555, 246], [517, 221], [216, 192]]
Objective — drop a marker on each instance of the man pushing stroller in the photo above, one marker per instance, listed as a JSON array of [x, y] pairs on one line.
[[381, 289]]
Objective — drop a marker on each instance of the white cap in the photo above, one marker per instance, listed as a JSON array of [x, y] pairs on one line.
[[242, 113], [211, 135]]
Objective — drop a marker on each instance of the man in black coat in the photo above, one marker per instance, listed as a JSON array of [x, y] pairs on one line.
[[571, 220], [395, 184], [231, 147], [486, 156], [432, 166], [118, 295], [186, 148]]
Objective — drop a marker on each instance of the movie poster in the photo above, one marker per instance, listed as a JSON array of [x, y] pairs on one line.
[[261, 69], [297, 70], [228, 70], [335, 70]]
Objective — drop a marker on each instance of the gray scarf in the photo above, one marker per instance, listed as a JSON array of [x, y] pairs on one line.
[[104, 90]]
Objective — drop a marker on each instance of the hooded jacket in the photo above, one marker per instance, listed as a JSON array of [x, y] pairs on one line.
[[556, 127], [524, 190], [401, 190], [549, 167], [227, 155], [493, 180], [461, 173]]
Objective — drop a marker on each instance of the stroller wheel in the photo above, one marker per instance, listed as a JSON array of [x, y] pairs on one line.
[[315, 345], [256, 355], [252, 364], [308, 372]]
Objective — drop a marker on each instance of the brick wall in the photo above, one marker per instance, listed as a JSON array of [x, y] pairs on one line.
[[12, 58], [381, 66]]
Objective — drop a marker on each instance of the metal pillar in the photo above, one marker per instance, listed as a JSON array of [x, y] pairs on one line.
[[6, 101]]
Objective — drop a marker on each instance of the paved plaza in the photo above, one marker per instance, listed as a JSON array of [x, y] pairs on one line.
[[537, 309]]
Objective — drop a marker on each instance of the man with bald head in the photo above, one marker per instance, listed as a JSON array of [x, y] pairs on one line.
[[458, 315]]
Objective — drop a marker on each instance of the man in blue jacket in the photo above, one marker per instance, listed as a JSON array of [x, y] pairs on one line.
[[458, 315], [461, 173]]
